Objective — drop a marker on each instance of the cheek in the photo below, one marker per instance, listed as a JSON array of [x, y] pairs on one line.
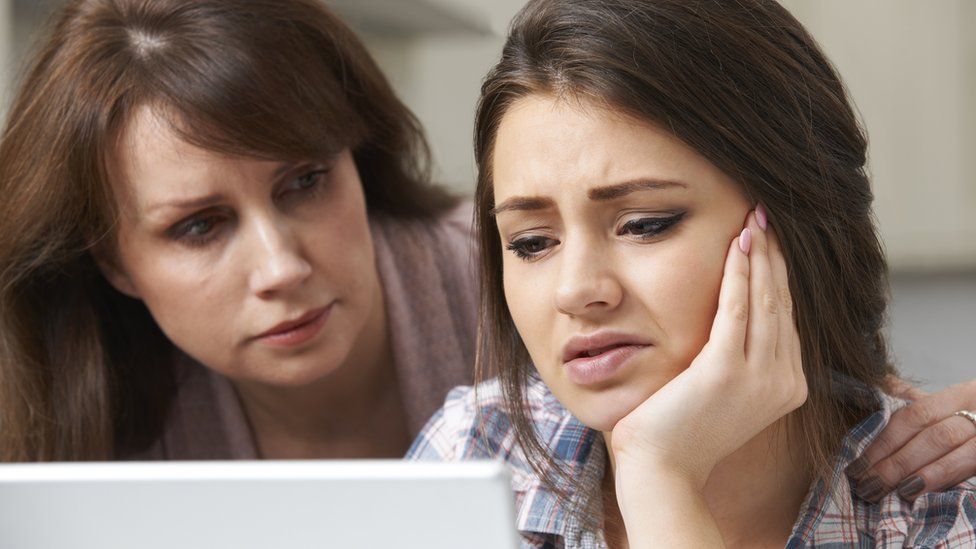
[[679, 289], [528, 291], [337, 240], [195, 303]]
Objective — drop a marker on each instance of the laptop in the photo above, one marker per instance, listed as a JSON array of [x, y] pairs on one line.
[[258, 504]]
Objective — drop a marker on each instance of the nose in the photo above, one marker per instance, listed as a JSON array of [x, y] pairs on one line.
[[587, 282], [279, 262]]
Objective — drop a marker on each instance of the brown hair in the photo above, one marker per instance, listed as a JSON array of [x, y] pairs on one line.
[[84, 372], [744, 85]]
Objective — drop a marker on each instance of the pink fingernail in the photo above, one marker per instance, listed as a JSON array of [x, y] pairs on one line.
[[745, 241], [761, 216]]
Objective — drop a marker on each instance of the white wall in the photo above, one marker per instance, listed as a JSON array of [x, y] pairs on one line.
[[911, 69], [439, 76]]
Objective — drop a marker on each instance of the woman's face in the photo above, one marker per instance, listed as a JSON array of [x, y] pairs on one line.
[[261, 270], [616, 235]]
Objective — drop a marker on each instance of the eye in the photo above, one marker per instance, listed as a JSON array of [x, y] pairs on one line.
[[530, 247], [306, 182], [197, 231], [649, 227]]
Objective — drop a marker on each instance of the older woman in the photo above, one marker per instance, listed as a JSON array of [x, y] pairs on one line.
[[218, 240]]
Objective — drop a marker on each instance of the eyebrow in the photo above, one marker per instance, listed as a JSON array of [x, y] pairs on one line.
[[609, 192], [523, 203], [190, 204], [212, 199]]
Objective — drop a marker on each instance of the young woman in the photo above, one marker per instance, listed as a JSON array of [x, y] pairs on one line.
[[218, 240], [682, 289]]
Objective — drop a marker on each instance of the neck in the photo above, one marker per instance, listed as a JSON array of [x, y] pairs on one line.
[[354, 412], [755, 494]]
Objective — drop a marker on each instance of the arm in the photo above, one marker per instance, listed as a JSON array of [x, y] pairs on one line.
[[746, 377], [924, 448]]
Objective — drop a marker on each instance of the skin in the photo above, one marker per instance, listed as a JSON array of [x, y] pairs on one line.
[[694, 412], [272, 241]]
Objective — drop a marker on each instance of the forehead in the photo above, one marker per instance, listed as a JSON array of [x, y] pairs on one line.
[[151, 162], [546, 145]]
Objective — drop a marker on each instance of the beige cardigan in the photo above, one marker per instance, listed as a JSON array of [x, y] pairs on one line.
[[427, 270]]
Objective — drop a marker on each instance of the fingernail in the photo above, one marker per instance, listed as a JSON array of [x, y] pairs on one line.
[[745, 241], [761, 216], [870, 488], [857, 467], [911, 486]]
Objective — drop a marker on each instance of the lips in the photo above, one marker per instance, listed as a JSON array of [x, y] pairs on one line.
[[596, 358], [296, 331], [589, 345]]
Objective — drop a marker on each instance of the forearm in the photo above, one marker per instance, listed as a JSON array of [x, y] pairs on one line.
[[661, 509]]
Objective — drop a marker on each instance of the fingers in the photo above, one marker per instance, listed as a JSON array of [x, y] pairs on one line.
[[922, 439], [764, 306], [729, 327], [905, 425], [922, 457], [952, 469], [788, 338]]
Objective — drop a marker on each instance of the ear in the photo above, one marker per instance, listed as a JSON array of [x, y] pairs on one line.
[[114, 272]]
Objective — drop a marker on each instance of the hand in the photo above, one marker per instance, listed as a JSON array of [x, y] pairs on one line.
[[924, 447], [746, 377]]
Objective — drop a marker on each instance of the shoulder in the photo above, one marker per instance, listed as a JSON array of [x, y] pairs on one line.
[[834, 514], [435, 252], [475, 423], [453, 225], [944, 519], [471, 424]]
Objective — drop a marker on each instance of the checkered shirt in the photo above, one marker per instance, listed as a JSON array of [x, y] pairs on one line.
[[477, 427]]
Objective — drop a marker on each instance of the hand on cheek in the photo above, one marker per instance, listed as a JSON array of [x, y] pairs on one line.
[[746, 377]]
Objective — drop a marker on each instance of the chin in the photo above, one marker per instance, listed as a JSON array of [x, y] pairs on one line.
[[601, 410], [295, 371]]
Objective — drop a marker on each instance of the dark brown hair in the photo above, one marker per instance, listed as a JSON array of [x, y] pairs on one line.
[[84, 372], [745, 85]]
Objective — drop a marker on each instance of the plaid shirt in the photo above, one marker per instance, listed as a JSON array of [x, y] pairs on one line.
[[831, 515]]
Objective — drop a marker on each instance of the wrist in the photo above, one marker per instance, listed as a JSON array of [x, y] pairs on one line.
[[652, 477]]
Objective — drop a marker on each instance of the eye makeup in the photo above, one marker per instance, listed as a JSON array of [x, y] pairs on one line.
[[641, 227]]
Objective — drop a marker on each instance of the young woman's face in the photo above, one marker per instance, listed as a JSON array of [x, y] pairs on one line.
[[616, 234], [263, 271]]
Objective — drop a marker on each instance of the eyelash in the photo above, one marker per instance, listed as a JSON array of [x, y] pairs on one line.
[[661, 225], [182, 231], [521, 247]]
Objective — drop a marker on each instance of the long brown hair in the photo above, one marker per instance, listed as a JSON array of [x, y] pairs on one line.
[[746, 86], [85, 373]]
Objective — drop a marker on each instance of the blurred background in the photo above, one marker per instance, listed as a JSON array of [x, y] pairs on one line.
[[910, 67]]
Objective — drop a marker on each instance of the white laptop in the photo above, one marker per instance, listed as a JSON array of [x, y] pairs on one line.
[[258, 504]]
